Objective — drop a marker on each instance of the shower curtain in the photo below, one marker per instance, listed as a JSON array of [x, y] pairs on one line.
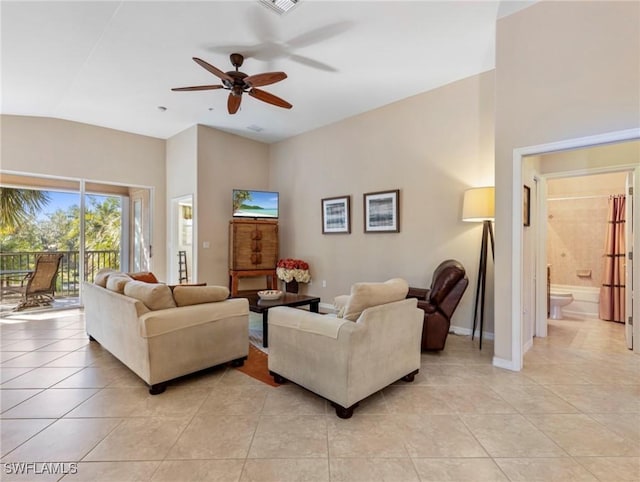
[[612, 292]]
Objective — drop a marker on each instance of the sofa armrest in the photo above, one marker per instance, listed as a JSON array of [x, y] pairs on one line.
[[160, 322], [306, 321], [101, 302]]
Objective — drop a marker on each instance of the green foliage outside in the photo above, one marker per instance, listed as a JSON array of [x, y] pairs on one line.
[[22, 229], [18, 205], [27, 227]]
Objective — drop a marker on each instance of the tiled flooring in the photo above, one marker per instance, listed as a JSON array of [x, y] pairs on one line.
[[573, 413]]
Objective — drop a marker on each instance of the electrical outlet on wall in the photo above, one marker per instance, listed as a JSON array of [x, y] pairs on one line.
[[324, 283]]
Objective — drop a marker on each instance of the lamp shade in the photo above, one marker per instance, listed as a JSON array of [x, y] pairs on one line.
[[479, 204]]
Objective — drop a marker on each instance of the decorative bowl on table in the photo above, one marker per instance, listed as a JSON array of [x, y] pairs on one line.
[[269, 294]]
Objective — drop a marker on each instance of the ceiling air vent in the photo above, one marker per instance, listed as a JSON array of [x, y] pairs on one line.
[[280, 6]]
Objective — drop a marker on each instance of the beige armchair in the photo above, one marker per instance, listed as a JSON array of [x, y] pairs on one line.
[[374, 343]]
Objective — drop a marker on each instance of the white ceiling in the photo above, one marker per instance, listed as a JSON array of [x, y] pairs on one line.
[[113, 63]]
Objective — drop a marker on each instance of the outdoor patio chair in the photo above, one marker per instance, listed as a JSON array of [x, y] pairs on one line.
[[38, 287]]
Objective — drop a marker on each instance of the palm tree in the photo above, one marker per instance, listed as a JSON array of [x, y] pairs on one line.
[[18, 205]]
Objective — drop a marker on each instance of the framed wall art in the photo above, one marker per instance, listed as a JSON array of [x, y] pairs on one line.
[[336, 215], [382, 212]]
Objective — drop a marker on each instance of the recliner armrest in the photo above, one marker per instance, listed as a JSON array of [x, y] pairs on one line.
[[420, 293], [427, 307]]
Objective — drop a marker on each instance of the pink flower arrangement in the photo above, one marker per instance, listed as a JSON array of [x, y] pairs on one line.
[[293, 269], [290, 263]]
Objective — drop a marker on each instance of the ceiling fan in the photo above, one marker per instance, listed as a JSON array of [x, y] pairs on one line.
[[239, 82]]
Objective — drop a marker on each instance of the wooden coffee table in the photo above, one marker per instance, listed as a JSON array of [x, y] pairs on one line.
[[287, 299]]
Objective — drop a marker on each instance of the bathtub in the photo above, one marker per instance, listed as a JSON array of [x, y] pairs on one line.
[[586, 300]]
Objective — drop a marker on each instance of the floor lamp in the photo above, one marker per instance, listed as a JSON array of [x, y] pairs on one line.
[[479, 207]]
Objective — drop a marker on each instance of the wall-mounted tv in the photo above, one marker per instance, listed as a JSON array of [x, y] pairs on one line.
[[255, 204]]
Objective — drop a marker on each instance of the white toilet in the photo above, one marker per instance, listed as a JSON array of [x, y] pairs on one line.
[[556, 302]]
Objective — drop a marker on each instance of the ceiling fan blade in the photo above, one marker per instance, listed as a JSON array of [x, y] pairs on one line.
[[312, 63], [267, 78], [198, 87], [269, 98], [233, 103], [320, 34], [214, 70]]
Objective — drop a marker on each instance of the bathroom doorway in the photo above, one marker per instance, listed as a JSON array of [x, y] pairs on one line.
[[573, 189], [577, 210], [533, 284]]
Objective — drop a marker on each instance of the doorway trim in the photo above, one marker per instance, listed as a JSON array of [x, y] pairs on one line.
[[517, 257]]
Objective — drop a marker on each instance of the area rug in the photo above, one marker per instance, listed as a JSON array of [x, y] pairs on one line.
[[257, 366], [255, 331]]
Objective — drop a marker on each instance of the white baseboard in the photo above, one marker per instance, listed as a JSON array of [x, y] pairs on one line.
[[502, 363], [459, 330]]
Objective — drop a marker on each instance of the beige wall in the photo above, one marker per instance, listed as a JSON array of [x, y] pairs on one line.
[[182, 163], [54, 147], [431, 147], [596, 157], [564, 70], [182, 170], [225, 162]]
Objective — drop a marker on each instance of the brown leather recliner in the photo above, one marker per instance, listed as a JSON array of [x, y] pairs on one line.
[[439, 302]]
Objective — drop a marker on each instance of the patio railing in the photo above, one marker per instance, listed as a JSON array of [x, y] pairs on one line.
[[14, 265]]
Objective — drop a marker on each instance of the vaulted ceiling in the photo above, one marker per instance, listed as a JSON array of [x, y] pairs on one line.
[[113, 64]]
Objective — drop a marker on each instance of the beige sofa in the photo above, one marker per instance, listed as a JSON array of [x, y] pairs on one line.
[[164, 337], [374, 342]]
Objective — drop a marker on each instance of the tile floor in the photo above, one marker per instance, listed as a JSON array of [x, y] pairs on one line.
[[573, 413]]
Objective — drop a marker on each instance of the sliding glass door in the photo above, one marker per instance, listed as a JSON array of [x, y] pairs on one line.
[[94, 225]]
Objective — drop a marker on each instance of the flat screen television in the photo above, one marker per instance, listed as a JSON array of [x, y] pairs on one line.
[[255, 204]]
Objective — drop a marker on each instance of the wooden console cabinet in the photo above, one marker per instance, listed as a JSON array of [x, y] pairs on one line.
[[253, 251]]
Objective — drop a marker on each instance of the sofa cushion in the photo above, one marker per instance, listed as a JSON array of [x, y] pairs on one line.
[[103, 275], [117, 281], [146, 276], [194, 295], [231, 312], [155, 296], [366, 295]]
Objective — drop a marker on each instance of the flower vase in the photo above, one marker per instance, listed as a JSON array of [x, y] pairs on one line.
[[291, 286]]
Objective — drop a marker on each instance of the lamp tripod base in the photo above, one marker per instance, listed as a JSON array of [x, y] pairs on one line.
[[478, 306]]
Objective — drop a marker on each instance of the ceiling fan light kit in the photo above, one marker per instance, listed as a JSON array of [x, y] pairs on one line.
[[279, 6], [239, 83]]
